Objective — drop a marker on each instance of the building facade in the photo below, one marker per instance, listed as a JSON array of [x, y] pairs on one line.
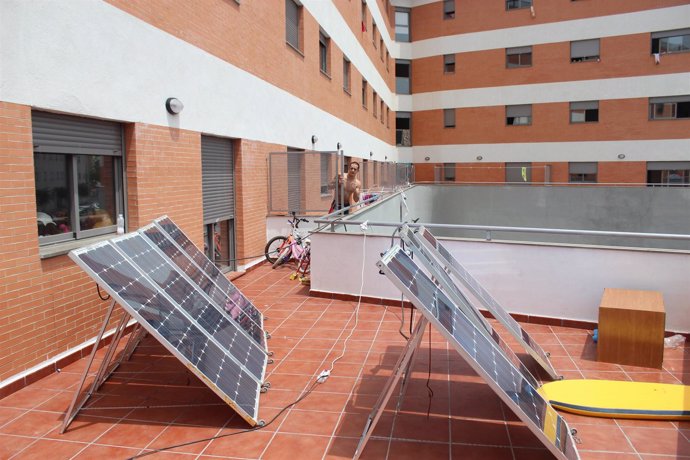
[[143, 108]]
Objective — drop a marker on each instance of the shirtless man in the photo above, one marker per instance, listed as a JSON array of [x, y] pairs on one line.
[[352, 186]]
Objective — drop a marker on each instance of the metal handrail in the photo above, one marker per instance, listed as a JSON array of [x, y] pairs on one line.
[[494, 228]]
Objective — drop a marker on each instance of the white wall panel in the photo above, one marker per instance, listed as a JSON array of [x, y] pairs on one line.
[[644, 150], [90, 58], [581, 90]]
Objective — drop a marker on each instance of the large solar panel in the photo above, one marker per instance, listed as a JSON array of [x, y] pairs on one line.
[[427, 244], [208, 267], [181, 316], [458, 300], [481, 353], [231, 307]]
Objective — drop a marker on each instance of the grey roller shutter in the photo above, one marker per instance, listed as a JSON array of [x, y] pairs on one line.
[[55, 133], [218, 180], [671, 33], [584, 48], [667, 165], [583, 168], [519, 110]]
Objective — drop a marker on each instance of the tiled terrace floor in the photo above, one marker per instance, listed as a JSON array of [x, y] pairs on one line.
[[466, 421]]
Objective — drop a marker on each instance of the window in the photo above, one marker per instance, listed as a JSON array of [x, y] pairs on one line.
[[449, 172], [671, 41], [403, 133], [516, 4], [402, 76], [364, 16], [381, 48], [388, 117], [293, 24], [381, 111], [448, 9], [519, 114], [388, 59], [324, 53], [402, 25], [346, 75], [364, 93], [669, 108], [374, 104], [78, 176], [584, 112], [584, 50], [518, 173], [519, 57], [449, 118], [584, 173], [448, 63], [373, 33], [668, 173]]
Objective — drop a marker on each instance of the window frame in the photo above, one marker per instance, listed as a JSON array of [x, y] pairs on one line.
[[673, 102], [401, 37], [297, 26], [661, 35], [347, 75], [588, 110], [449, 118], [448, 67], [448, 9], [516, 107], [518, 4], [365, 94], [519, 51], [583, 172], [449, 172], [324, 53], [585, 57]]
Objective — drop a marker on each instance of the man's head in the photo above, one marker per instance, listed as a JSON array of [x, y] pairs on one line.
[[353, 169]]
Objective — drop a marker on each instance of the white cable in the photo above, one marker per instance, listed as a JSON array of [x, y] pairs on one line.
[[326, 373]]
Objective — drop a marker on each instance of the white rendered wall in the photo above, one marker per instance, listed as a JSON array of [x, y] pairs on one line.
[[90, 58], [552, 281]]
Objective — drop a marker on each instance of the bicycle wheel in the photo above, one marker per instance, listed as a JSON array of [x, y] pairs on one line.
[[273, 247], [283, 257]]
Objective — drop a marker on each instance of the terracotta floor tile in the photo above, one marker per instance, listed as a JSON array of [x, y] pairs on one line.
[[471, 452], [98, 452], [28, 398], [603, 438], [246, 445], [658, 441], [403, 450], [527, 453], [183, 434], [344, 448], [130, 434], [309, 422], [420, 427], [82, 429], [52, 449], [32, 424], [286, 446], [587, 455], [10, 445], [328, 402], [492, 433], [8, 414], [60, 402], [213, 416]]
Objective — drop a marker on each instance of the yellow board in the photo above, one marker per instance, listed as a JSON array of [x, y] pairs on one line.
[[613, 399]]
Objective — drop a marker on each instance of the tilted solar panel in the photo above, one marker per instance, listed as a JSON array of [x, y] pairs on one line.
[[449, 265], [229, 306], [481, 353], [458, 299], [215, 363], [208, 267]]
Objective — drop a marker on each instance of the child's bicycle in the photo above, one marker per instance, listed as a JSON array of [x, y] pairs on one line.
[[282, 249]]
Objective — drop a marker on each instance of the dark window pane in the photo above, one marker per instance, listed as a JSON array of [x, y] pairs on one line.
[[53, 202], [96, 191], [683, 110], [591, 115]]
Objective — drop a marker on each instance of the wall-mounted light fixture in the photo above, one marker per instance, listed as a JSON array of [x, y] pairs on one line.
[[385, 158], [173, 105], [621, 156], [314, 139], [480, 158], [338, 146], [427, 158]]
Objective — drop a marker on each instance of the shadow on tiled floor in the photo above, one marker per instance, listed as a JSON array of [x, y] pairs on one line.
[[153, 402]]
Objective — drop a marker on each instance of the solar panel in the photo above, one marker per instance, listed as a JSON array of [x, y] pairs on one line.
[[175, 312], [208, 267], [481, 353], [458, 300], [449, 265], [230, 307]]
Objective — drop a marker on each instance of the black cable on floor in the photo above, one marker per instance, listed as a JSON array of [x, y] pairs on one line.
[[256, 428]]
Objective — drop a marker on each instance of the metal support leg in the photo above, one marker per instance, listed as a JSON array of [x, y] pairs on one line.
[[74, 407], [385, 396], [104, 371], [134, 340]]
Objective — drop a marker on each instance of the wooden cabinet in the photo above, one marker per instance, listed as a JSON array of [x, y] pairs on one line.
[[631, 328]]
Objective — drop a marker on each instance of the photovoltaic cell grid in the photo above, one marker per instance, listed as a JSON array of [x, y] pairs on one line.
[[206, 339], [450, 264], [231, 305], [208, 267], [481, 353], [458, 300]]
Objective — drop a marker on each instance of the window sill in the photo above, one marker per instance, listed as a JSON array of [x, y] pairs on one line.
[[296, 50], [347, 91], [325, 74], [58, 249]]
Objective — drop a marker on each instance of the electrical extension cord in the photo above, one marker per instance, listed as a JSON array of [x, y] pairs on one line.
[[323, 376]]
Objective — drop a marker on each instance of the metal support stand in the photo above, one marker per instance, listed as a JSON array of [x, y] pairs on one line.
[[105, 369], [403, 366]]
